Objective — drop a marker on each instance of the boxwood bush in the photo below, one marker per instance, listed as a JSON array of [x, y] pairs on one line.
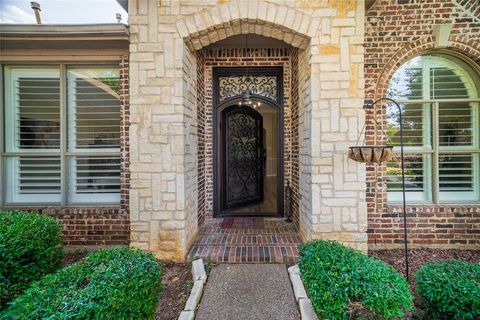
[[335, 275], [449, 289], [29, 249], [116, 283]]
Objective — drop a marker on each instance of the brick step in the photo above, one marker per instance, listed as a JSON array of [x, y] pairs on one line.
[[248, 239], [245, 254], [218, 230]]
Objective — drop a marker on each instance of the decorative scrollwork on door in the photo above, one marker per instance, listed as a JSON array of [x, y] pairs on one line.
[[234, 85], [243, 156]]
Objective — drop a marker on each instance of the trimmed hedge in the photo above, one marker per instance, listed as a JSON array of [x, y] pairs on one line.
[[335, 275], [450, 289], [116, 283], [29, 249]]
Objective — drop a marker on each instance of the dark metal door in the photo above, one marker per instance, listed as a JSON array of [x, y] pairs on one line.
[[242, 161]]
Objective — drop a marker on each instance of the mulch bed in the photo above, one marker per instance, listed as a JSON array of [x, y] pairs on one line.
[[177, 283], [417, 258], [73, 256]]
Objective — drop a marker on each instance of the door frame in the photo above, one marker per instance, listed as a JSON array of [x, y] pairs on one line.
[[216, 130]]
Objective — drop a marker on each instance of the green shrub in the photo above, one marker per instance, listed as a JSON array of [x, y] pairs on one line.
[[118, 283], [335, 275], [450, 289], [29, 249]]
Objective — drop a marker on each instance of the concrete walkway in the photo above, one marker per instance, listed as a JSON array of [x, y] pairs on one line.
[[248, 292]]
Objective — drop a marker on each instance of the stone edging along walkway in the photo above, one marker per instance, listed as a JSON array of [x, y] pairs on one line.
[[199, 278], [306, 308]]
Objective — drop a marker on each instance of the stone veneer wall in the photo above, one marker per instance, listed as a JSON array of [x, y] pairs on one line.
[[99, 225], [396, 31], [164, 115]]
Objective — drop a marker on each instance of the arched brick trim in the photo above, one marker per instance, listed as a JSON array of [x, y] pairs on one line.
[[253, 17], [398, 59], [469, 48]]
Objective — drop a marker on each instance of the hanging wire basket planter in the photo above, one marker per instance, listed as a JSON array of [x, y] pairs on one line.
[[370, 154]]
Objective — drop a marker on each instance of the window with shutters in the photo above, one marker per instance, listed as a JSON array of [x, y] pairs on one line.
[[439, 98], [62, 135]]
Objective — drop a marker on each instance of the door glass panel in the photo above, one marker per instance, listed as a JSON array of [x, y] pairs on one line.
[[251, 160], [243, 156]]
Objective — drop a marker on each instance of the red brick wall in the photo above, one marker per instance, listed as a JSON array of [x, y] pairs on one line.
[[201, 134], [395, 31], [124, 134], [100, 225], [88, 226], [236, 58], [295, 143]]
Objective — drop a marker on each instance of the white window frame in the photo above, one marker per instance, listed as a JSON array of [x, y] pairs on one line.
[[431, 153], [7, 150]]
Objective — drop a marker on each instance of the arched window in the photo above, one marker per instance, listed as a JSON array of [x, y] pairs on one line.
[[440, 107]]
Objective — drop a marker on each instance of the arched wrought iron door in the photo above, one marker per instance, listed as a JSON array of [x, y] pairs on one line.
[[241, 186], [242, 153]]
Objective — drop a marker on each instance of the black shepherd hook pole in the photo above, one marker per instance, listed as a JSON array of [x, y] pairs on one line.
[[405, 235]]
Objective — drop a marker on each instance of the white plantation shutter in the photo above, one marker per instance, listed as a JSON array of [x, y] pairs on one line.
[[32, 124], [32, 109], [448, 83], [33, 179], [456, 121], [456, 172], [414, 125], [94, 127], [416, 171], [37, 122], [94, 109], [95, 179]]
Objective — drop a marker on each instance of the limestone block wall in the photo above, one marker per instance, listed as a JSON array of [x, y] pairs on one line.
[[333, 198], [164, 124]]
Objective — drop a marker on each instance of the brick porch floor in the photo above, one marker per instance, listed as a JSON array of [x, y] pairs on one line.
[[235, 240]]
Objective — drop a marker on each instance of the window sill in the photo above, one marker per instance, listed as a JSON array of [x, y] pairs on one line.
[[443, 204], [56, 205]]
